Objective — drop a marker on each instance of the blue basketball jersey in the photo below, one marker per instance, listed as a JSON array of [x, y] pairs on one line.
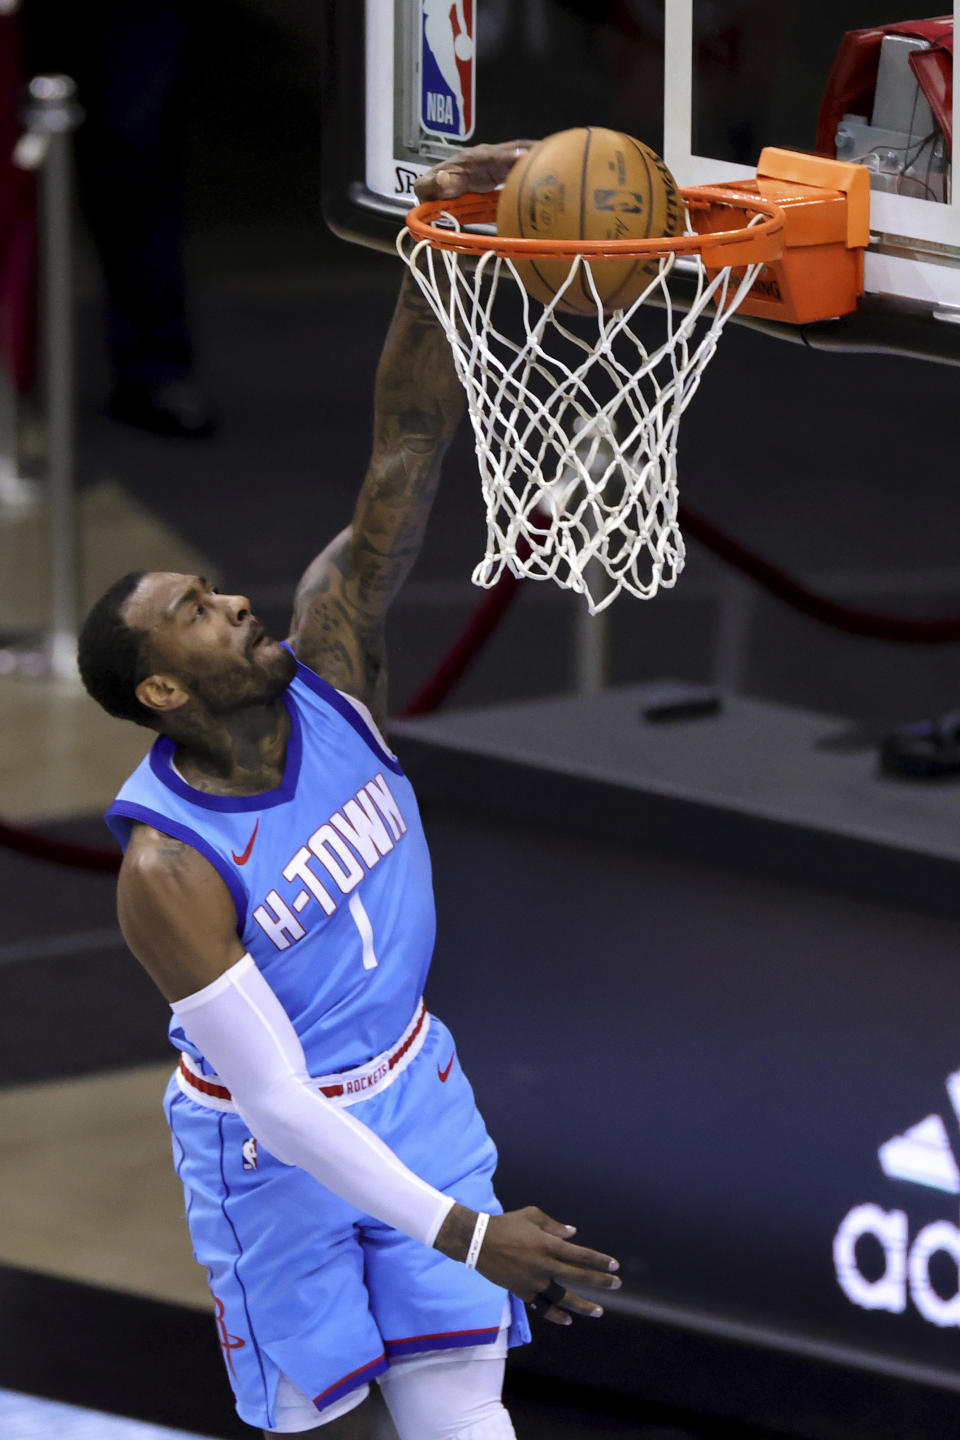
[[329, 873]]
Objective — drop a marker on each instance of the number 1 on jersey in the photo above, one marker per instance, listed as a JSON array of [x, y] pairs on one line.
[[362, 921]]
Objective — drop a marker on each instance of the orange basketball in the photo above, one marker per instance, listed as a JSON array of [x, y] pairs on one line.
[[589, 184]]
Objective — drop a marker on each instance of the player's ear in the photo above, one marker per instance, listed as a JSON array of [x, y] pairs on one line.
[[161, 693]]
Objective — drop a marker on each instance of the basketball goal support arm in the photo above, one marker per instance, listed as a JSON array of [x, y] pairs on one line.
[[888, 327], [906, 328]]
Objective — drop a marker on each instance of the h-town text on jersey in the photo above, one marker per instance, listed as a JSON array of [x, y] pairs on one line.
[[333, 860]]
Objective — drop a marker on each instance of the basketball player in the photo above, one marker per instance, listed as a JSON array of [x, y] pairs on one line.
[[276, 886]]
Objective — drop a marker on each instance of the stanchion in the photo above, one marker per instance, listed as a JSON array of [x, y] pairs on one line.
[[591, 633], [731, 646], [50, 116], [17, 493], [591, 650]]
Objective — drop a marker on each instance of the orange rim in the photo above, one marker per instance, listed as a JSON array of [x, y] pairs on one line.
[[756, 240]]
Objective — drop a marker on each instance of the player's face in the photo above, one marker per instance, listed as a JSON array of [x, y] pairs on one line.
[[212, 644]]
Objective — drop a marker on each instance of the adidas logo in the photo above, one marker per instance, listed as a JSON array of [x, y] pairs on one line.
[[922, 1155]]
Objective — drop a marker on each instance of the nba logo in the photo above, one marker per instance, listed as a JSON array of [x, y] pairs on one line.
[[447, 90]]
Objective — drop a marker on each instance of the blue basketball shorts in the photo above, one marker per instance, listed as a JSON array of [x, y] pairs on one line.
[[307, 1286]]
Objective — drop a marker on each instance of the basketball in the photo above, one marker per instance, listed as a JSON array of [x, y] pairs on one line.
[[589, 184]]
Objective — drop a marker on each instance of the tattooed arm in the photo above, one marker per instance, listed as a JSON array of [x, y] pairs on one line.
[[342, 600]]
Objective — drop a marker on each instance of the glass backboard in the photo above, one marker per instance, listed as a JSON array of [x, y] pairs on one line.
[[741, 74]]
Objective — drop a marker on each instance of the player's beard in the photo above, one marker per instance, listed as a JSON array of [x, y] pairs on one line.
[[258, 679]]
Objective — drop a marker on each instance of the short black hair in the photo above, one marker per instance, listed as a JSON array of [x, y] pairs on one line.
[[111, 654]]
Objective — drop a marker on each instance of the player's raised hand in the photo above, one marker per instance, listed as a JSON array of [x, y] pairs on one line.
[[532, 1255], [472, 171]]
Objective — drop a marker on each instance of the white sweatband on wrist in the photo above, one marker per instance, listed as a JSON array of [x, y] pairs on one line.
[[479, 1230], [239, 1026]]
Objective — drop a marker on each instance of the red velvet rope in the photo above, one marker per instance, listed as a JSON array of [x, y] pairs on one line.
[[58, 852], [776, 582], [471, 640], [490, 611]]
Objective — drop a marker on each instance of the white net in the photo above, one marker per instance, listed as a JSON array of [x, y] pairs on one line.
[[575, 418]]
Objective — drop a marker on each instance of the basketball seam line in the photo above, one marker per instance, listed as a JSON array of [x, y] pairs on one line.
[[581, 273], [646, 167], [520, 230], [610, 300]]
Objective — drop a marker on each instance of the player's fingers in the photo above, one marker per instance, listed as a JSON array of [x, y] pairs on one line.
[[550, 1302], [560, 1305], [584, 1259], [553, 1227], [592, 1279], [482, 168], [604, 1267], [485, 172], [434, 185], [508, 147], [578, 1306], [481, 158]]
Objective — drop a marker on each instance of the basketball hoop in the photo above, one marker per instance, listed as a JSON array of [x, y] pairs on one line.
[[576, 418]]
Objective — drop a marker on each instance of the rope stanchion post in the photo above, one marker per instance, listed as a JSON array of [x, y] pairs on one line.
[[16, 491], [52, 114], [591, 630], [591, 651], [731, 645]]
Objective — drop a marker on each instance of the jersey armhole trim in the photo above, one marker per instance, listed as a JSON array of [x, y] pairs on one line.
[[127, 810], [346, 707], [364, 712]]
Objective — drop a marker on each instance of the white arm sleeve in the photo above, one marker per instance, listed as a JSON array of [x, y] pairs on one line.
[[239, 1025]]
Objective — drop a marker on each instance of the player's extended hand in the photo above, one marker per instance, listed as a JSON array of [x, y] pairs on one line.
[[527, 1252], [480, 168]]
